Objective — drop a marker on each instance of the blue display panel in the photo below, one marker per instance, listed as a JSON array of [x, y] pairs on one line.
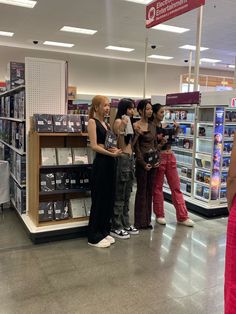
[[217, 153]]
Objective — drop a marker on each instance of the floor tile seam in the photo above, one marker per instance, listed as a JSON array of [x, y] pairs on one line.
[[15, 248], [196, 292]]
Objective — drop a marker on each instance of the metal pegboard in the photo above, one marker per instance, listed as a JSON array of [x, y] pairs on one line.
[[45, 86], [45, 89]]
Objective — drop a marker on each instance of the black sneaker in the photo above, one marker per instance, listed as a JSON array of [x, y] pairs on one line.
[[121, 234], [132, 230]]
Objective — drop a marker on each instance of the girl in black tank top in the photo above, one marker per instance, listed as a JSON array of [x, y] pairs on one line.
[[101, 132], [103, 176]]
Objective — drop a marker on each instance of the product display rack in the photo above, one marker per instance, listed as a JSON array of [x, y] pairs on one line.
[[37, 141], [208, 154], [184, 141], [12, 138], [43, 95], [202, 149], [228, 138]]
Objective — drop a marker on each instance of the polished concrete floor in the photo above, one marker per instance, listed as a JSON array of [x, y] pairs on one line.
[[168, 270]]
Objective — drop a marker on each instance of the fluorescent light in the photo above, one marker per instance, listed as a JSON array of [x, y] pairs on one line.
[[209, 60], [20, 3], [160, 57], [119, 48], [140, 1], [9, 34], [78, 30], [190, 47], [54, 43], [231, 66], [169, 28]]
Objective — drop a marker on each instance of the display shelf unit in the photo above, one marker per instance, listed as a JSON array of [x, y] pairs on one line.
[[44, 92], [184, 115], [37, 141], [13, 138], [208, 190], [203, 164]]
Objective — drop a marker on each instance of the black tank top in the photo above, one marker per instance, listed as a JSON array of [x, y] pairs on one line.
[[168, 133], [101, 132]]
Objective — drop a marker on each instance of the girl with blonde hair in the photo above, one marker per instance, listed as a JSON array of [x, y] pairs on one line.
[[103, 175]]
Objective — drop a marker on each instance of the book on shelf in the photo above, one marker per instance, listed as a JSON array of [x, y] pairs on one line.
[[45, 211], [64, 156], [15, 74], [62, 181], [43, 122], [60, 123], [61, 210], [48, 157], [74, 180], [74, 123], [47, 182], [80, 155], [88, 203], [77, 207]]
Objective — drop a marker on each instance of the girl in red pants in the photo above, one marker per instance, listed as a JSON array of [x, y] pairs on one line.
[[167, 168], [230, 257]]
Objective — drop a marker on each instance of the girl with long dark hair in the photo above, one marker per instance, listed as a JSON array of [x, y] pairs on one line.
[[167, 168], [121, 227], [144, 144]]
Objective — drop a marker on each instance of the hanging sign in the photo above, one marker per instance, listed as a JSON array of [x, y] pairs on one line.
[[183, 99], [159, 11]]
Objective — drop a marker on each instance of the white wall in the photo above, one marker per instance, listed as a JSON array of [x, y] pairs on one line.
[[92, 75]]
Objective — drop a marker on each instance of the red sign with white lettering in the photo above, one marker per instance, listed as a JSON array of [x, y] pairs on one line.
[[159, 11]]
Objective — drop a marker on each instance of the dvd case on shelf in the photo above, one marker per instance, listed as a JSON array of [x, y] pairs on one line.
[[48, 156], [80, 155], [77, 207], [64, 156]]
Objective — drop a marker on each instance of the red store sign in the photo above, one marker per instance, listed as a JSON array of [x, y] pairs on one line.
[[159, 11]]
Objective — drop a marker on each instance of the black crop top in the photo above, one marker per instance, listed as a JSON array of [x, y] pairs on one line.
[[101, 132], [168, 133]]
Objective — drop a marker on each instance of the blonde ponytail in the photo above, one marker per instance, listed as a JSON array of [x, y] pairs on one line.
[[96, 102]]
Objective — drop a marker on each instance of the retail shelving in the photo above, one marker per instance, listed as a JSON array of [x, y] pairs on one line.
[[44, 92], [38, 141], [207, 131], [184, 115], [13, 139]]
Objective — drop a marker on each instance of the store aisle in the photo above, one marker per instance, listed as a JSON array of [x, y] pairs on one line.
[[172, 269]]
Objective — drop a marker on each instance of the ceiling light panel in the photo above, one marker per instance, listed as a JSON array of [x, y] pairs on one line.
[[8, 34], [208, 60], [169, 28], [78, 30], [140, 1], [160, 57], [190, 47], [58, 44], [20, 3], [231, 66], [124, 49]]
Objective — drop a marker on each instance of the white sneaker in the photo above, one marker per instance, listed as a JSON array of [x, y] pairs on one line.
[[161, 221], [188, 222], [101, 244], [110, 239]]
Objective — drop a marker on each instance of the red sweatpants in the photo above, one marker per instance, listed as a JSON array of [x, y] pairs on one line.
[[230, 263], [168, 168]]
